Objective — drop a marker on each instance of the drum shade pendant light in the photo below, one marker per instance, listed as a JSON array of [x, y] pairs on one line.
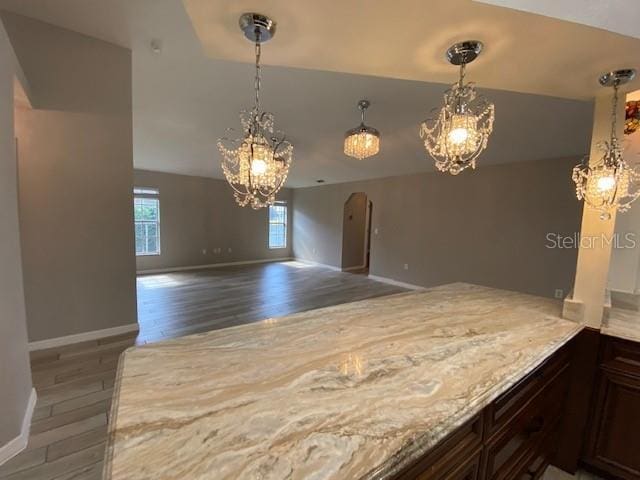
[[458, 134], [363, 141], [609, 183], [257, 164]]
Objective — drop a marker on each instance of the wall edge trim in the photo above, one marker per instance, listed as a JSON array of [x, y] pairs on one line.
[[210, 265], [19, 443], [82, 337]]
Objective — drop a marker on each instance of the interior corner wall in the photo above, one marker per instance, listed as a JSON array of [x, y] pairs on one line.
[[75, 162], [15, 375], [493, 226], [624, 269], [199, 215]]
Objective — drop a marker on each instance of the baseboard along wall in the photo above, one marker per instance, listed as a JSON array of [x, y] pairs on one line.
[[18, 444], [82, 337], [210, 265], [397, 283]]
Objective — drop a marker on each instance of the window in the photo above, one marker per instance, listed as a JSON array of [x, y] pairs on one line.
[[146, 210], [278, 225]]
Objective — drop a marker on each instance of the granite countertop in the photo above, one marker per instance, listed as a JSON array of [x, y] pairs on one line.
[[622, 323], [352, 391]]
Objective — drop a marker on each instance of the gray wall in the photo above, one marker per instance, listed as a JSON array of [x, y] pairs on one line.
[[75, 181], [15, 375], [198, 213], [487, 227], [354, 228]]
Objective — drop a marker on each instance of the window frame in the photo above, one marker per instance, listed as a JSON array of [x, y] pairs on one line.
[[153, 194], [285, 223]]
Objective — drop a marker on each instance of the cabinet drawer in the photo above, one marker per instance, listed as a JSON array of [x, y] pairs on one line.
[[469, 471], [512, 451], [515, 400], [622, 356], [450, 458]]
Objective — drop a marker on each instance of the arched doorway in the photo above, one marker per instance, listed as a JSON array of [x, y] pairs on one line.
[[356, 233]]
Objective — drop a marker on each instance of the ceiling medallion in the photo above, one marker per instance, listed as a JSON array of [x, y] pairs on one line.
[[458, 134], [363, 141], [256, 165], [609, 183]]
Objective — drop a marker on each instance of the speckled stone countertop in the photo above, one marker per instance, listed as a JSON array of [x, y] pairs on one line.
[[352, 391]]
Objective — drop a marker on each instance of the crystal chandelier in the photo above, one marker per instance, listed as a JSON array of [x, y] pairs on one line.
[[256, 165], [363, 141], [610, 183], [458, 134]]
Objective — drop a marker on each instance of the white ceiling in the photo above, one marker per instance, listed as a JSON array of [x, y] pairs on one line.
[[184, 99], [407, 39], [618, 16]]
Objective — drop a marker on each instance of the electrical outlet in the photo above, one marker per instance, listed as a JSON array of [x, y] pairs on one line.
[[559, 293], [406, 266], [204, 251], [375, 231], [229, 249]]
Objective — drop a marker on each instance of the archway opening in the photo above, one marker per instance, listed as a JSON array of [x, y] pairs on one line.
[[356, 233]]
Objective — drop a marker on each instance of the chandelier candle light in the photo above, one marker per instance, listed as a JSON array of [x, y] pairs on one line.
[[610, 183], [363, 141], [256, 165], [460, 131]]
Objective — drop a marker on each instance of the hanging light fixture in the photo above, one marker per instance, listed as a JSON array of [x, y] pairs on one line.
[[363, 141], [610, 183], [459, 133], [256, 165]]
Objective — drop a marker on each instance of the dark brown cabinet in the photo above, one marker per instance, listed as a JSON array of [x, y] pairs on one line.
[[613, 444]]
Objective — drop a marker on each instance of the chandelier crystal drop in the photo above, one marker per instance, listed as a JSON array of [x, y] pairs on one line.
[[363, 141], [459, 132], [256, 165], [610, 183]]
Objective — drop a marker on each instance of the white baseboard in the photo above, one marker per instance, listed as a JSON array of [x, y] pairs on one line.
[[210, 265], [82, 337], [18, 444], [318, 264], [397, 283]]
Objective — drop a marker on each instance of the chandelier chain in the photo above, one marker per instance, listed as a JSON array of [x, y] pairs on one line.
[[614, 113], [257, 78], [463, 72]]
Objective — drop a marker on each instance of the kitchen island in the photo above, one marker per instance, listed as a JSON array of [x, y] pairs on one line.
[[360, 390]]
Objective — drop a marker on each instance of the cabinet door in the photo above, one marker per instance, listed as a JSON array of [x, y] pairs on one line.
[[614, 442]]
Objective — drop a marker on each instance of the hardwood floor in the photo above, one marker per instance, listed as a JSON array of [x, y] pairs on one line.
[[75, 383], [176, 304]]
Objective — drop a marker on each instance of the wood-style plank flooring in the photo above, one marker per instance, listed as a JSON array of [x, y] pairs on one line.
[[176, 304], [75, 383], [69, 425]]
